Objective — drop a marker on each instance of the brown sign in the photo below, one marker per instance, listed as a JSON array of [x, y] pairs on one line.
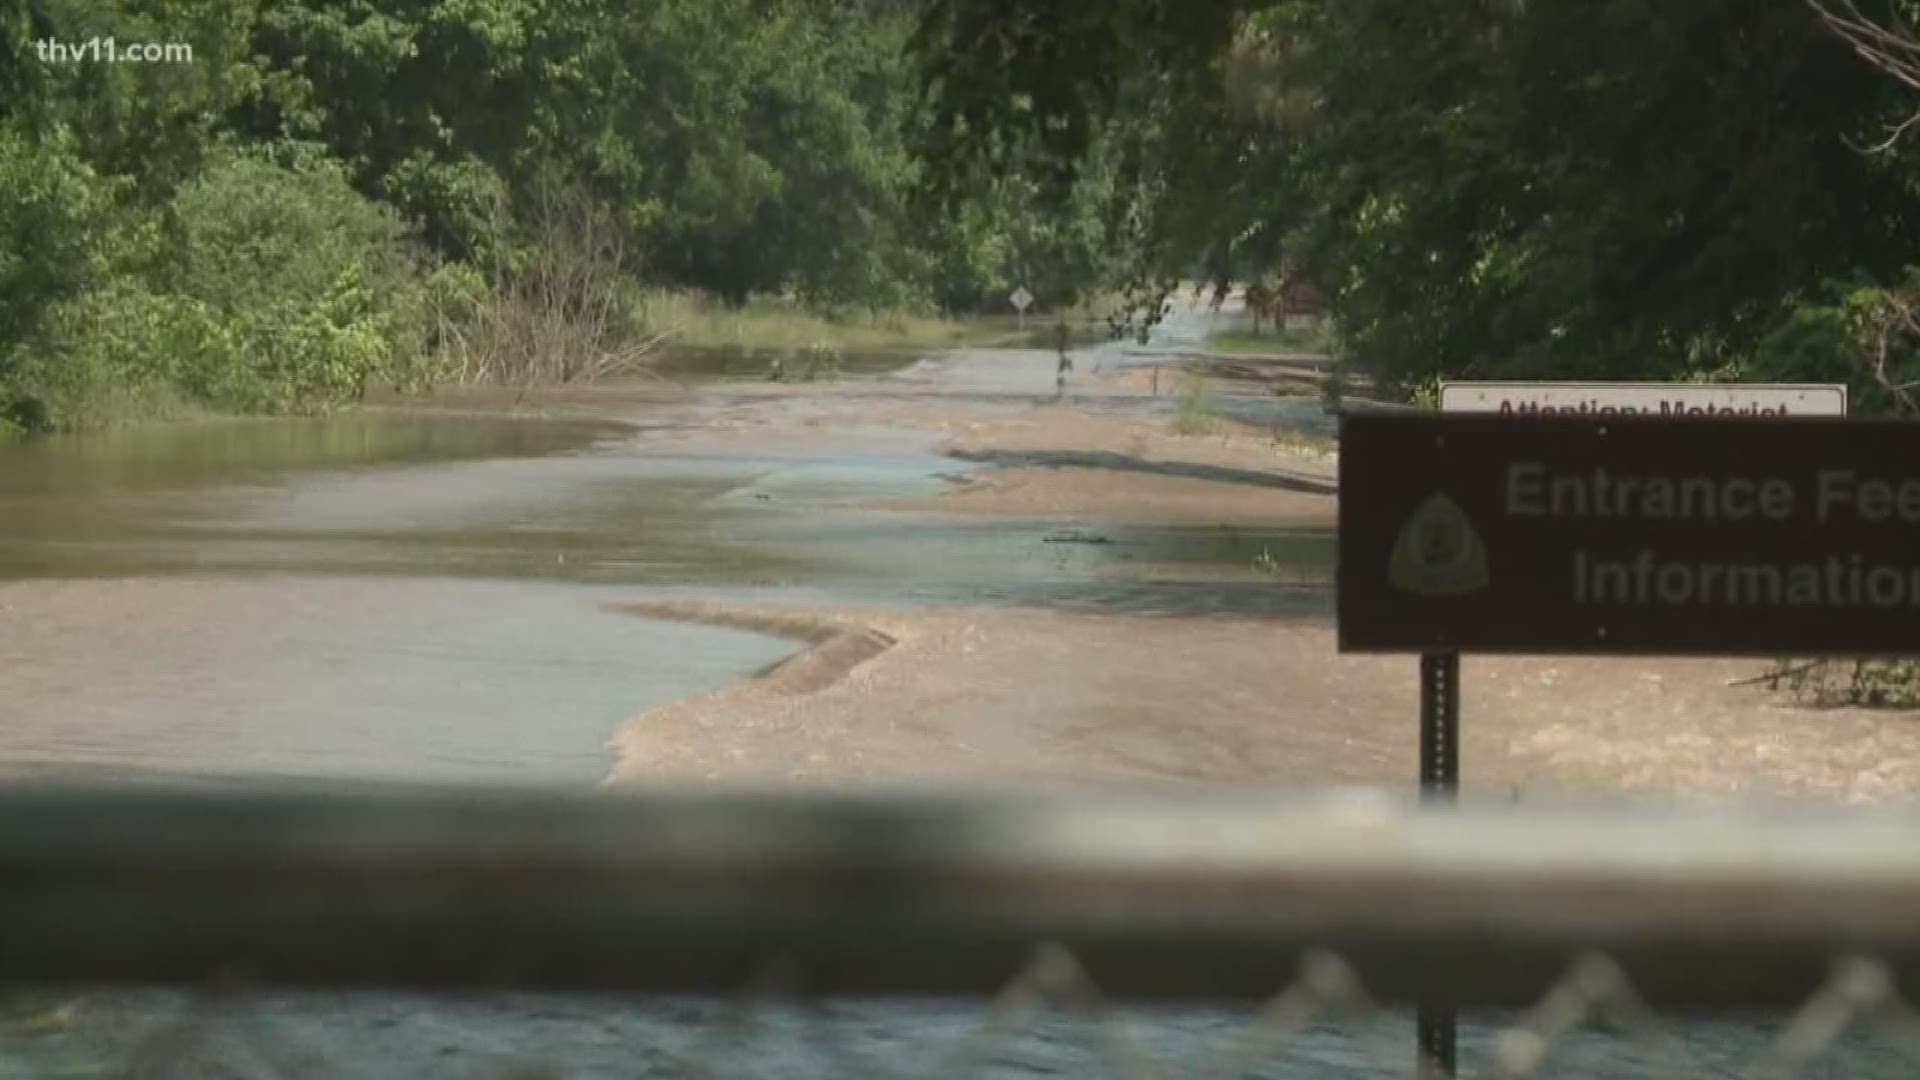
[[1634, 535]]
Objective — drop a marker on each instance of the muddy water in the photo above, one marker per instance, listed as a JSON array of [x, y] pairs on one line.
[[166, 661], [342, 679], [402, 595], [581, 502], [421, 597], [711, 363], [418, 596]]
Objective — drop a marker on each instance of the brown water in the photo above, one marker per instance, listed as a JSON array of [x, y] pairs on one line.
[[186, 632], [588, 502], [719, 362], [420, 596], [344, 678]]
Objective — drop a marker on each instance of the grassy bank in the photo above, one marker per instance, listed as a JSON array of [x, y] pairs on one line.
[[662, 326], [265, 282], [1245, 342], [774, 324]]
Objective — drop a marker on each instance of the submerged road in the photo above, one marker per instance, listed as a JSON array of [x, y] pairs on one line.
[[421, 597]]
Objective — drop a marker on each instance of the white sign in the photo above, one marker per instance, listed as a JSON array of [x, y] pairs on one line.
[[1644, 399], [1021, 298]]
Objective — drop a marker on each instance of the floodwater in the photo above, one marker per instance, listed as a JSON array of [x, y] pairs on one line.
[[347, 679], [586, 502], [208, 645], [720, 362], [421, 596]]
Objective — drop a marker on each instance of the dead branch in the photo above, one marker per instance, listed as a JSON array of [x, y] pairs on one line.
[[1774, 677], [1893, 49], [1896, 315]]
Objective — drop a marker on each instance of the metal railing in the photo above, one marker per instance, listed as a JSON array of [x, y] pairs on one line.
[[1333, 905]]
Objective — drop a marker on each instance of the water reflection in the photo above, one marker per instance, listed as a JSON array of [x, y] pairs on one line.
[[436, 496], [723, 362], [162, 456]]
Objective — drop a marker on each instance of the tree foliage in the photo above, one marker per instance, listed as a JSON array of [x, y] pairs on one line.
[[261, 223], [1552, 188]]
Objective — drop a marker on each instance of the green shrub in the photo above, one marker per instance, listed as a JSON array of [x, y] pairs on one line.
[[1193, 413], [461, 204], [262, 228], [267, 284], [1871, 683], [123, 340], [1865, 334], [319, 289], [57, 220]]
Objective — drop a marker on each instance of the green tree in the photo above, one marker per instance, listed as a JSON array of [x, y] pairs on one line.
[[56, 219], [1554, 188], [747, 145], [266, 284], [149, 121]]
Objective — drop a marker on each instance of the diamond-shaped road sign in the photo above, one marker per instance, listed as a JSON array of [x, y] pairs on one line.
[[1021, 298]]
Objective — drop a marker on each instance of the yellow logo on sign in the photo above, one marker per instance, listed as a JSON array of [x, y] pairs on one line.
[[1438, 554]]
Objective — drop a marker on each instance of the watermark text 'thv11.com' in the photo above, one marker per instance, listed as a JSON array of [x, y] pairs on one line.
[[112, 51]]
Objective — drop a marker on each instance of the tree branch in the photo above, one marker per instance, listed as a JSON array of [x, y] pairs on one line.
[[1893, 49]]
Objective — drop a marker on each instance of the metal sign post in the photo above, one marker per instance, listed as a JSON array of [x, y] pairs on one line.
[[1021, 298], [1439, 783]]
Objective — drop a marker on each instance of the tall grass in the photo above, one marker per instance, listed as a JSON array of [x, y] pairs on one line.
[[1194, 411], [776, 323], [816, 362], [562, 302], [1283, 340], [771, 322]]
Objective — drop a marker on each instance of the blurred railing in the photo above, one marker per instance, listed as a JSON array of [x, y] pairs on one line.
[[1330, 904]]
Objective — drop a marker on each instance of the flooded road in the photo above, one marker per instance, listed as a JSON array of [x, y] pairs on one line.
[[420, 595], [589, 503], [424, 596]]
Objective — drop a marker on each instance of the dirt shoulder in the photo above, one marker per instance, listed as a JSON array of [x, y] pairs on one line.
[[990, 696]]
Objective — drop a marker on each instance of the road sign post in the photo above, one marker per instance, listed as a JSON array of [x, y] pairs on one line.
[[1021, 298]]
